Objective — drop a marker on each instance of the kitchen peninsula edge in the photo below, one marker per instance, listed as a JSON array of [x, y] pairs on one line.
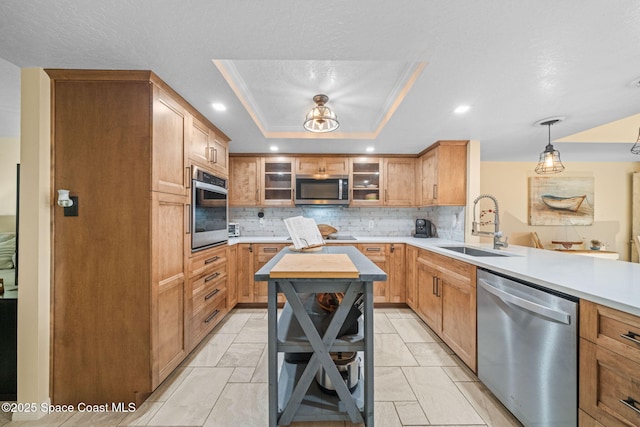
[[611, 283]]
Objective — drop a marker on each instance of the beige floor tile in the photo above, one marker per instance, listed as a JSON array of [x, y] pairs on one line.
[[439, 397], [253, 331], [413, 330], [431, 354], [382, 325], [411, 413], [323, 424], [242, 354], [193, 400], [53, 419], [142, 415], [460, 373], [390, 350], [384, 414], [242, 375], [98, 419], [234, 322], [390, 384], [489, 408], [243, 405], [210, 354], [169, 385], [261, 315], [261, 372]]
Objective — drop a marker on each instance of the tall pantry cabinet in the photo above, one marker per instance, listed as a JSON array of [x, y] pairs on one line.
[[119, 298]]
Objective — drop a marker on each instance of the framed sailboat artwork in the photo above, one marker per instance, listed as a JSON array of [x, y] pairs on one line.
[[561, 201]]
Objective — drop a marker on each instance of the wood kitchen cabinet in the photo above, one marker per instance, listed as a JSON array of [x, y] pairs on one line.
[[410, 277], [399, 181], [447, 302], [208, 148], [443, 174], [278, 181], [322, 165], [244, 181], [251, 257], [120, 300], [609, 366], [366, 181], [232, 280], [207, 291], [390, 258]]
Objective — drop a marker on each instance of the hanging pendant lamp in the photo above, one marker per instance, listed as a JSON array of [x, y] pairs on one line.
[[550, 158], [321, 118], [636, 147]]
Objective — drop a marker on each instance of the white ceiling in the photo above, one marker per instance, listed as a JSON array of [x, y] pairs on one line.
[[513, 62]]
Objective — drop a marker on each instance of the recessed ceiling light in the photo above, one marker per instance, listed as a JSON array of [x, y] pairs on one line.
[[273, 148], [219, 106], [370, 149], [461, 109]]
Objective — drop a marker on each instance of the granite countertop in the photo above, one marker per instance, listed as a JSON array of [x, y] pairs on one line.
[[608, 282]]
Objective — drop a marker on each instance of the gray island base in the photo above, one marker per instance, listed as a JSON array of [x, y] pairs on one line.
[[294, 395]]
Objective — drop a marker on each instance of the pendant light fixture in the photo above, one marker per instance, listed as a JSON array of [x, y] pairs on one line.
[[550, 158], [636, 147], [321, 119]]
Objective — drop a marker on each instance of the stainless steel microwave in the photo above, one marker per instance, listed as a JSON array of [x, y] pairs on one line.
[[332, 190]]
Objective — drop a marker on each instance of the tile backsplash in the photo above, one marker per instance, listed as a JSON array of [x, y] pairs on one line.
[[449, 220]]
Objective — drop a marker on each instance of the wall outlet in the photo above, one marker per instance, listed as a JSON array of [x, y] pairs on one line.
[[371, 224]]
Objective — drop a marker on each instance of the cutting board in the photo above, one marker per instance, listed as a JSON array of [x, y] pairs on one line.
[[312, 266]]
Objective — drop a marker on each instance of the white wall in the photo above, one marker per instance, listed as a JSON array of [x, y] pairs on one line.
[[9, 157], [508, 181]]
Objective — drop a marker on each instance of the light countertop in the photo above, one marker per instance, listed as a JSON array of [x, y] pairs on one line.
[[609, 282]]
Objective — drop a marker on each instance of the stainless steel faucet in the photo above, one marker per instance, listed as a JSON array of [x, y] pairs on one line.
[[497, 234]]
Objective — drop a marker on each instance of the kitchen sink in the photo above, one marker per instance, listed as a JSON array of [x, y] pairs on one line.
[[470, 251]]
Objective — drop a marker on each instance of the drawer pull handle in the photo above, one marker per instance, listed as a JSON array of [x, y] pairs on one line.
[[215, 291], [211, 316], [210, 260], [213, 276], [630, 402], [373, 249], [631, 336], [270, 249]]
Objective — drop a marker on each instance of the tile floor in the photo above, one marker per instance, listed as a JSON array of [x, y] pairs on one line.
[[418, 382]]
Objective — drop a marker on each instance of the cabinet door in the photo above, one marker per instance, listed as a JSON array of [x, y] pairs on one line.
[[219, 155], [308, 165], [458, 294], [232, 283], [429, 302], [322, 165], [336, 165], [262, 255], [429, 175], [169, 154], [397, 286], [399, 178], [378, 254], [411, 290], [244, 274], [278, 181], [244, 181], [452, 173], [366, 181], [199, 145], [169, 340]]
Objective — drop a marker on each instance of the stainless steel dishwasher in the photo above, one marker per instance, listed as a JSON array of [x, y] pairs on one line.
[[528, 349]]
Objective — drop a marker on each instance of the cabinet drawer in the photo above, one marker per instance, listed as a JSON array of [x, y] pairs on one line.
[[266, 252], [373, 250], [209, 291], [208, 259], [610, 386], [610, 328], [206, 319]]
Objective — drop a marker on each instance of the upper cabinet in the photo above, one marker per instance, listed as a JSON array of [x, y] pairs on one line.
[[399, 181], [322, 165], [443, 174], [244, 181], [366, 181], [278, 181], [208, 149], [382, 181]]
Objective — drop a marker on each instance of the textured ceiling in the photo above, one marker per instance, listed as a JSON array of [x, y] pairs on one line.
[[514, 63]]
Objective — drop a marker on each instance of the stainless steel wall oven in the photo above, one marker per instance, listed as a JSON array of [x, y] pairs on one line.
[[209, 210]]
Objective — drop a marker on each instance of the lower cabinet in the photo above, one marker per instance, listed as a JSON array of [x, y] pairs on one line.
[[390, 258], [410, 277], [609, 366], [207, 291], [446, 301], [250, 258]]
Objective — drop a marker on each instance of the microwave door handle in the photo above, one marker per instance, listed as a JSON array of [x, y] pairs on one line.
[[339, 189]]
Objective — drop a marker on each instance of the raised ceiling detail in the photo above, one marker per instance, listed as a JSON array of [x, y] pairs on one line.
[[277, 94], [623, 130]]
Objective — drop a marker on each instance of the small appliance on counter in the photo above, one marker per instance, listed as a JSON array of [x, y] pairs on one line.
[[425, 228], [234, 229]]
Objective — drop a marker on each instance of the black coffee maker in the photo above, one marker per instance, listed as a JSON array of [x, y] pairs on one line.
[[425, 228]]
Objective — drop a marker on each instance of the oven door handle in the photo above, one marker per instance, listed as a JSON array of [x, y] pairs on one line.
[[550, 313]]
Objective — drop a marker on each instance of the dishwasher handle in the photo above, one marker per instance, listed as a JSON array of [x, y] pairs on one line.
[[558, 316]]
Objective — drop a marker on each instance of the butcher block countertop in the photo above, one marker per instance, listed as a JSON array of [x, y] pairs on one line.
[[608, 282], [349, 263]]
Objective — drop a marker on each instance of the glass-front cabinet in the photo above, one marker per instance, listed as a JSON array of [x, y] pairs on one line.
[[278, 181], [366, 180]]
